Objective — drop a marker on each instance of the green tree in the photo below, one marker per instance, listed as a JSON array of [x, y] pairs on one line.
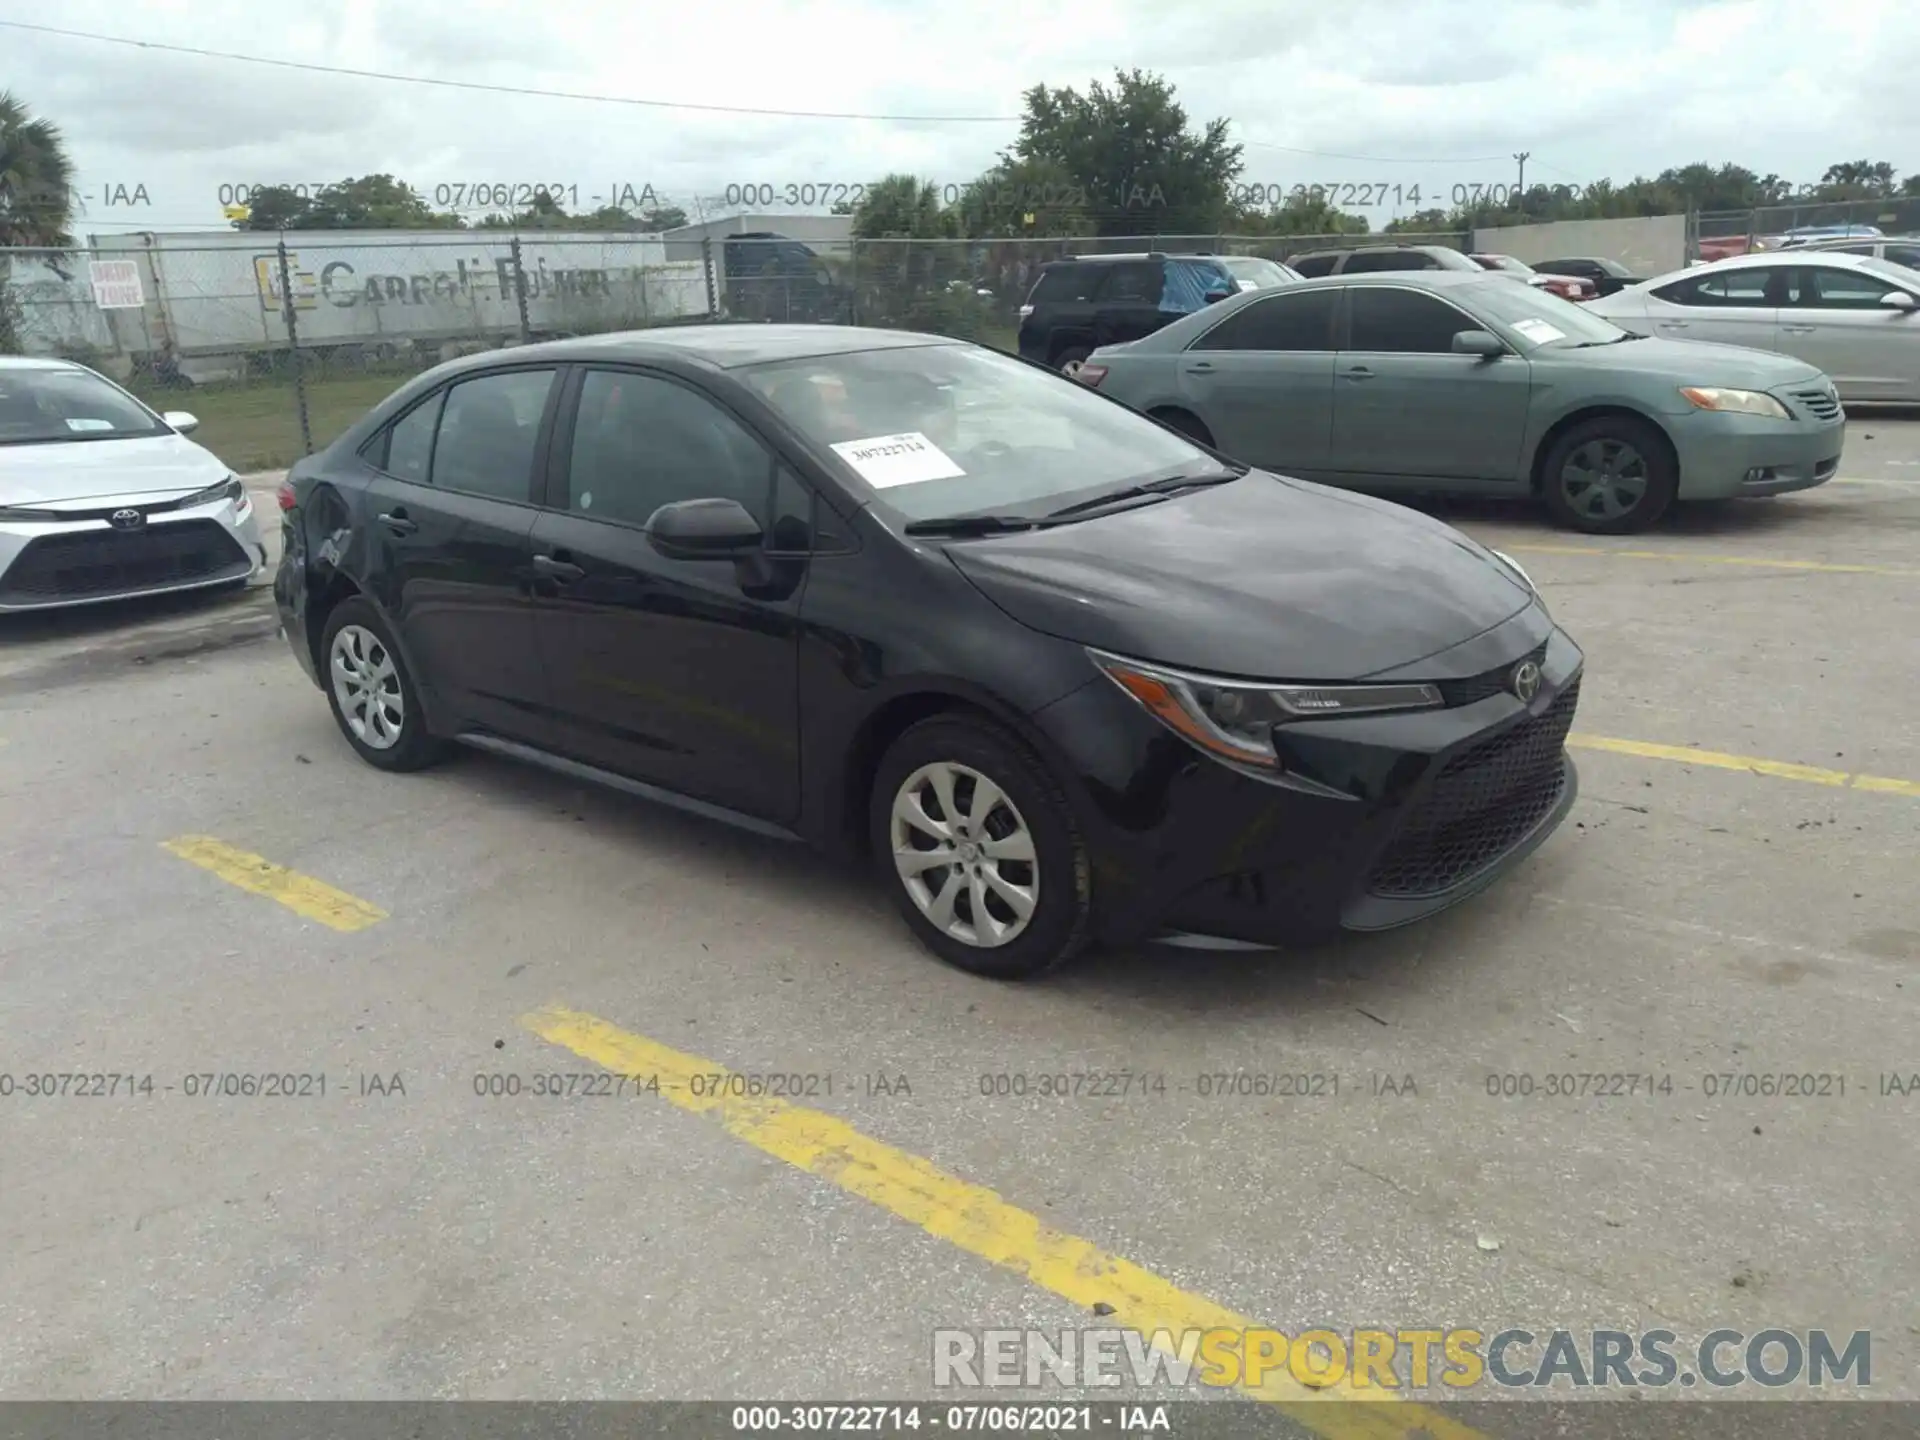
[[1303, 214], [903, 207], [1026, 198], [276, 207], [1857, 180], [1423, 222], [372, 202], [1143, 170], [36, 178], [661, 217]]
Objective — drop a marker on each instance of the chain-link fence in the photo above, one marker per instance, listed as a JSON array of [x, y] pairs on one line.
[[1721, 233]]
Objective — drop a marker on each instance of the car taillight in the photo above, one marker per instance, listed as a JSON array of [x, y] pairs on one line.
[[1090, 374], [287, 498]]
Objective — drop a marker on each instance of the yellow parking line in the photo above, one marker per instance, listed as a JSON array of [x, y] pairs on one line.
[[1692, 557], [978, 1221], [313, 899], [1718, 760]]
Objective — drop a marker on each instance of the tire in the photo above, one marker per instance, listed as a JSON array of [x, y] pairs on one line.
[[1611, 475], [1072, 355], [1187, 424], [1030, 806], [357, 639]]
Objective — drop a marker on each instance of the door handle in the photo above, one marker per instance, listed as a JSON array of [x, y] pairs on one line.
[[1673, 324], [1799, 329], [1200, 367], [564, 571], [398, 523], [1356, 372]]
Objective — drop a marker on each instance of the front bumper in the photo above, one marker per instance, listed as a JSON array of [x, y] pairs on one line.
[[1724, 457], [47, 565], [1377, 823]]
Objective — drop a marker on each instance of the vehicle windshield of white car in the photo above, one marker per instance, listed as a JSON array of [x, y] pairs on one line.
[[42, 406]]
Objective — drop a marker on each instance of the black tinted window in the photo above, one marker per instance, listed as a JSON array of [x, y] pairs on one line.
[[641, 442], [1907, 255], [1313, 265], [1723, 288], [1404, 322], [1835, 289], [1389, 260], [1281, 322], [1132, 283], [1064, 283], [488, 432], [410, 442]]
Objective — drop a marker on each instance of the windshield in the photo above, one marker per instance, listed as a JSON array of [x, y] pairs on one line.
[[1893, 270], [1261, 274], [947, 430], [38, 406], [1540, 319]]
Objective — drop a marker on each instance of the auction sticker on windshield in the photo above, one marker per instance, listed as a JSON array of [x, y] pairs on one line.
[[905, 459], [1539, 331]]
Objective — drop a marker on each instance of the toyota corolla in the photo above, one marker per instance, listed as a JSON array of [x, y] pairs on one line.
[[104, 499], [1056, 671]]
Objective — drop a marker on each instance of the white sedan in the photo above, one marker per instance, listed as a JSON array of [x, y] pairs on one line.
[[102, 498], [1855, 317]]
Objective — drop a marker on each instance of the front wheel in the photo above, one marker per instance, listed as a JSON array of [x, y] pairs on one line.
[[978, 847], [1609, 476]]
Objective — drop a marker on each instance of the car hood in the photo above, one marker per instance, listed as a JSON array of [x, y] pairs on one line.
[[1264, 578], [1696, 362], [159, 465]]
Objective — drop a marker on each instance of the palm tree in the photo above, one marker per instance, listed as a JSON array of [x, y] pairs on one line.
[[36, 179]]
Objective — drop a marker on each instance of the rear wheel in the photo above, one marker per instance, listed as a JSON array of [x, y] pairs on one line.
[[1609, 476], [976, 843], [372, 695], [1069, 360]]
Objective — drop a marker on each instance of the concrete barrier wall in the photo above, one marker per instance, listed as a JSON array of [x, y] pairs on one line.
[[1648, 247]]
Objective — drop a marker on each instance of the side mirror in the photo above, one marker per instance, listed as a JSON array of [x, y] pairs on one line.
[[183, 421], [1899, 300], [703, 530], [1483, 343], [1214, 297]]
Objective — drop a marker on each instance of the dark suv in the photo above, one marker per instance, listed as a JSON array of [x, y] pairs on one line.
[[1358, 261], [1079, 304]]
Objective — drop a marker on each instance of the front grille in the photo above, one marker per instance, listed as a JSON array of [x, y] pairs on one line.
[[91, 564], [1819, 403], [1476, 688], [1483, 802]]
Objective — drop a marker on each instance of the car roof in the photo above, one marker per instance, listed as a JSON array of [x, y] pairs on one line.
[[1116, 256], [1773, 258], [36, 362], [1419, 279], [725, 346]]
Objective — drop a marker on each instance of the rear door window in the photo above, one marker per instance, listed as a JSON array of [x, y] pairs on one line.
[[1389, 260], [1132, 283], [1723, 289], [489, 430], [1281, 322], [1066, 284], [1313, 266]]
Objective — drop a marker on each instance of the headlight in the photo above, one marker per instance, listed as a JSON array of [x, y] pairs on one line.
[[1234, 720], [228, 489], [1514, 565], [1735, 402]]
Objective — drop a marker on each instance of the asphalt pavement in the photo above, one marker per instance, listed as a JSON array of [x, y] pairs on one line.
[[204, 887]]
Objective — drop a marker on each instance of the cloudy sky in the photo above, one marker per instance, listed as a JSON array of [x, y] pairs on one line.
[[1406, 93]]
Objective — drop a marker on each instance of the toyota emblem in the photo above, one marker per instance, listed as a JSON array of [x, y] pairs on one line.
[[126, 519], [1526, 681]]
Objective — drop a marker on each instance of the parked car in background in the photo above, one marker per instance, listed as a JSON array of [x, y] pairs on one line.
[[1470, 383], [1087, 301], [1567, 287], [941, 612], [102, 498], [1719, 247], [1606, 275], [1900, 249], [1254, 273], [1809, 234], [1851, 316], [775, 279], [1366, 259]]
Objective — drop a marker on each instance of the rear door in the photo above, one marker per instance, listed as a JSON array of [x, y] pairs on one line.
[[1736, 306], [1262, 380], [1834, 318], [449, 554], [1127, 304], [1059, 312], [1405, 406]]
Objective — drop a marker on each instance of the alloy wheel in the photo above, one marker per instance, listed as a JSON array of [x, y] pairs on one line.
[[964, 853], [366, 683], [1604, 479]]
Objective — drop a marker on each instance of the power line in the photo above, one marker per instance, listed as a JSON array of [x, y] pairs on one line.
[[1382, 159], [475, 85]]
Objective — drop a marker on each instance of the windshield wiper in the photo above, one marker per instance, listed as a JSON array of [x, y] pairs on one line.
[[1165, 485], [973, 525]]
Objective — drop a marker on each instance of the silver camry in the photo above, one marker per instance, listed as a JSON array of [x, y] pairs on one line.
[[1855, 317], [102, 498]]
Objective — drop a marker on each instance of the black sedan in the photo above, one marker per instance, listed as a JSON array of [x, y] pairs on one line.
[[1055, 671]]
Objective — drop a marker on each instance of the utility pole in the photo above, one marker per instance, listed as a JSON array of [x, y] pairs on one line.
[[1522, 156]]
